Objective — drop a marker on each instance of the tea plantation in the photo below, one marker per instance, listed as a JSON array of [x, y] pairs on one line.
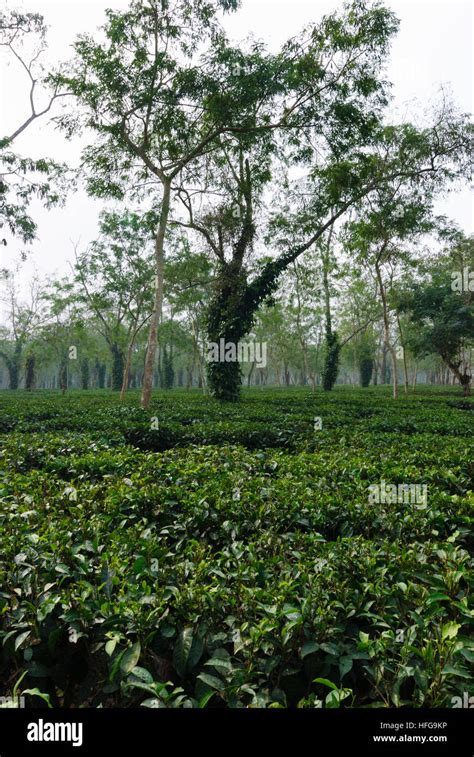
[[205, 555]]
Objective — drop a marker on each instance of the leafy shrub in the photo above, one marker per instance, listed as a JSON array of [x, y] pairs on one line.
[[241, 565]]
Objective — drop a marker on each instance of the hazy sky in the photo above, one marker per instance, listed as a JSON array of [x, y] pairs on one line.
[[433, 47]]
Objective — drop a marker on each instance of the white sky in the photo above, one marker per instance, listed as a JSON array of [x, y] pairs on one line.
[[433, 47]]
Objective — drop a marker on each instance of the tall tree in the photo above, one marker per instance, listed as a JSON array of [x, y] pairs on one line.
[[23, 38], [23, 318], [443, 314], [157, 104], [393, 218], [114, 280], [148, 97], [332, 124]]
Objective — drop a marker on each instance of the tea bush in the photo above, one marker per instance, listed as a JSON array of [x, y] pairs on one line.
[[233, 557]]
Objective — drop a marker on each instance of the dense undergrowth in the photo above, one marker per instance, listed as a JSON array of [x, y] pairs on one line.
[[232, 557]]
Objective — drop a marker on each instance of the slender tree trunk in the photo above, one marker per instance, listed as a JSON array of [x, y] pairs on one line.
[[158, 304], [189, 377], [128, 363], [383, 369], [386, 331], [101, 370], [249, 377], [333, 347], [376, 371], [405, 370], [405, 364], [126, 373], [198, 356], [302, 340], [63, 376], [85, 373]]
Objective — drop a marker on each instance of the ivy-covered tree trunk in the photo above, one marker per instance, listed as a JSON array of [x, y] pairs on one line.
[[13, 368], [331, 360], [332, 346], [227, 319], [13, 363], [100, 371], [30, 373], [117, 367], [85, 373]]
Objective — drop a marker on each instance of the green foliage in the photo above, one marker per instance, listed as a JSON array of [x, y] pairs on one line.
[[221, 576], [23, 179], [196, 554], [442, 316]]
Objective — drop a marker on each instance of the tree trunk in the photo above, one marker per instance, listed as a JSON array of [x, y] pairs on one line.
[[386, 332], [229, 321], [332, 346], [117, 367], [405, 364], [13, 374], [158, 303], [464, 378], [302, 340], [376, 371], [189, 377], [85, 373], [101, 369], [249, 376], [63, 375], [13, 366], [383, 369], [30, 373], [128, 363]]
